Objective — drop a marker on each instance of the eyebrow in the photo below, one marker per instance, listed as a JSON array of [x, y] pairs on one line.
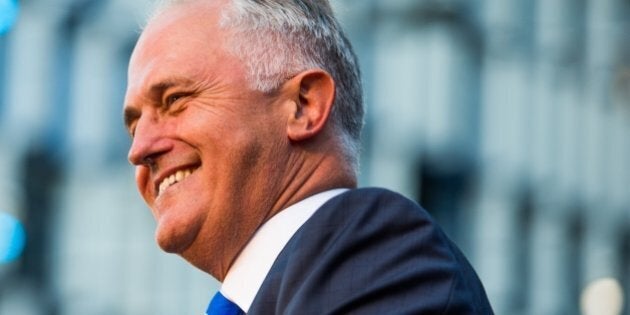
[[131, 113]]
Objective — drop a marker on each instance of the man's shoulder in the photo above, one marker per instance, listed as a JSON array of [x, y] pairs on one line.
[[379, 204], [365, 242], [375, 192]]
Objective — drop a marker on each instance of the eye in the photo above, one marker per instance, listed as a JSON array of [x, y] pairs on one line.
[[171, 99], [175, 103]]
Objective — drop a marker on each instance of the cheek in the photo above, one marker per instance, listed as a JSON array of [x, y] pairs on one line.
[[143, 182]]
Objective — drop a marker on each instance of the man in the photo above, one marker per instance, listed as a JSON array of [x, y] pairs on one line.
[[246, 118]]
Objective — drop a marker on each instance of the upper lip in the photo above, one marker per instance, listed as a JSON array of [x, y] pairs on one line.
[[170, 171]]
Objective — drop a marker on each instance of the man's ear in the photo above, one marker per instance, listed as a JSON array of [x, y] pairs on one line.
[[313, 94]]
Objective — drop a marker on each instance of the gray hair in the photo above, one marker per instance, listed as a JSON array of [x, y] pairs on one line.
[[277, 39]]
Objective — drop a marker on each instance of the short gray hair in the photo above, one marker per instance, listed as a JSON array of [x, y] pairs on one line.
[[277, 39]]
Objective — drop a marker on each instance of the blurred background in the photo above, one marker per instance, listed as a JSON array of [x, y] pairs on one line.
[[508, 120]]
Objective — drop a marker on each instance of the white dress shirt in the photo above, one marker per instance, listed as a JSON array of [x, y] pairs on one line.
[[250, 268]]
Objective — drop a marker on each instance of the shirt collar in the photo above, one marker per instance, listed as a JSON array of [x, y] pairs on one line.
[[250, 268]]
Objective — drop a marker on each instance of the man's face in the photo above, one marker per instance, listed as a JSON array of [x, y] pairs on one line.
[[208, 150]]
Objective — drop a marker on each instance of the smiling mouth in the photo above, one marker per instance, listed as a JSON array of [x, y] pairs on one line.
[[174, 179]]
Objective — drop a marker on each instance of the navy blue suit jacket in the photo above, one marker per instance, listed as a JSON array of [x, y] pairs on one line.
[[370, 251]]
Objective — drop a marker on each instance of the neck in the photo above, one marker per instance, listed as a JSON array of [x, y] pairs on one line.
[[311, 172], [309, 169]]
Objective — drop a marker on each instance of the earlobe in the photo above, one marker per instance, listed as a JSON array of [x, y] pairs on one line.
[[313, 100]]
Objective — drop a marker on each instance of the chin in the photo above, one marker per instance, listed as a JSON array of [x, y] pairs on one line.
[[172, 239], [208, 261]]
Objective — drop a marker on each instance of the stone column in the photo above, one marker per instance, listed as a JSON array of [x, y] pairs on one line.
[[30, 76], [607, 25], [505, 100], [424, 93], [28, 116], [558, 69]]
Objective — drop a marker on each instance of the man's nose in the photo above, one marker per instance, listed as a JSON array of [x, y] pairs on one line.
[[148, 142]]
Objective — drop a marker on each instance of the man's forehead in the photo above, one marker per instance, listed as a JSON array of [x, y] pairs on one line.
[[171, 37], [200, 11], [164, 70]]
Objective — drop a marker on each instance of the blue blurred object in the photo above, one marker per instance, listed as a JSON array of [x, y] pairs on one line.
[[12, 238], [8, 14]]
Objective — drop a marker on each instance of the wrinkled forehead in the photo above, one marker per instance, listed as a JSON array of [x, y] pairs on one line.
[[184, 32], [195, 20]]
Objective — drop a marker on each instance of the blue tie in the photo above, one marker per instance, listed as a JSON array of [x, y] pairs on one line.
[[220, 305]]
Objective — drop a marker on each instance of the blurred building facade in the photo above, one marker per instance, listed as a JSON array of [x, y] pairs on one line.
[[508, 120]]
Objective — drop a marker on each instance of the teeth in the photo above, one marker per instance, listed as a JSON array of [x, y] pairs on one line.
[[174, 178]]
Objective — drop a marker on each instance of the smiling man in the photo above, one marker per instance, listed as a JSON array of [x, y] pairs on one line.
[[246, 117]]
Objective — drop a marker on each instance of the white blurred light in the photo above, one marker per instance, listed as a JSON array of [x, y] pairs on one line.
[[12, 238], [602, 297], [8, 14]]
